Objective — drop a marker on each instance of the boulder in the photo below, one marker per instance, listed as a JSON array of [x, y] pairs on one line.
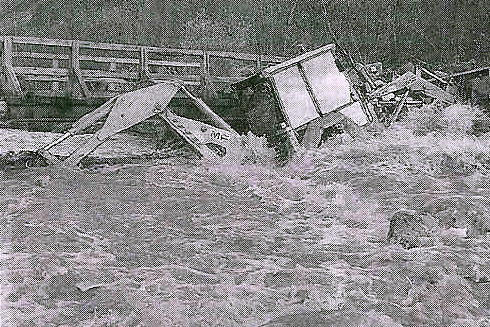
[[410, 229]]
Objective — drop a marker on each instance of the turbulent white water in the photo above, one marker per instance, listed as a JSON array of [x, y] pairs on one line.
[[179, 243]]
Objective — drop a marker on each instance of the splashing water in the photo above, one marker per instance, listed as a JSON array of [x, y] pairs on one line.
[[182, 243]]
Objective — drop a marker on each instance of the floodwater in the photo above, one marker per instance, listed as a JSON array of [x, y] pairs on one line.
[[178, 242]]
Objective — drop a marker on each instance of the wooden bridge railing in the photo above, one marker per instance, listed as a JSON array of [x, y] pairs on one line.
[[84, 69]]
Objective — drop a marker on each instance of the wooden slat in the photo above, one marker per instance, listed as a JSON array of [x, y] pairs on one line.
[[135, 48], [175, 51], [194, 78], [110, 59], [89, 73], [174, 63], [107, 80], [144, 72], [41, 78], [40, 55], [41, 41], [194, 83], [52, 56], [205, 70], [108, 74], [136, 61], [56, 85], [246, 56], [41, 71]]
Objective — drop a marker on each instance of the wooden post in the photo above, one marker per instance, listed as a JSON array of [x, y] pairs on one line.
[[258, 63], [12, 81], [144, 72], [205, 72], [56, 85], [75, 71]]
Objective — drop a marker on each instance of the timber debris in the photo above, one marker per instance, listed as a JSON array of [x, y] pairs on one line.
[[296, 104], [306, 99]]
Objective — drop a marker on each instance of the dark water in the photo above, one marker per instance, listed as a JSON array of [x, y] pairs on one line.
[[176, 243]]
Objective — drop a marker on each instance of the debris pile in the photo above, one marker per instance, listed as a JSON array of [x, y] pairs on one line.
[[297, 104], [303, 100]]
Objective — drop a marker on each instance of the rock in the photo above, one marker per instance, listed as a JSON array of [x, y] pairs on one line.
[[410, 229], [22, 160]]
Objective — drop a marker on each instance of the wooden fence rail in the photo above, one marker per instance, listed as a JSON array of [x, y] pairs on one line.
[[85, 70]]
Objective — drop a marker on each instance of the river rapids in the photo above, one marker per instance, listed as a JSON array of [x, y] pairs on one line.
[[178, 242]]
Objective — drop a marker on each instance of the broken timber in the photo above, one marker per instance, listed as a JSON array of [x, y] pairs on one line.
[[212, 142], [308, 94]]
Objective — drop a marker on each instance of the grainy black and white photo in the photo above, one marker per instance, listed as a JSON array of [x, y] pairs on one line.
[[255, 163]]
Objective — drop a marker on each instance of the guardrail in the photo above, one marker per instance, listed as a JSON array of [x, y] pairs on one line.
[[84, 69]]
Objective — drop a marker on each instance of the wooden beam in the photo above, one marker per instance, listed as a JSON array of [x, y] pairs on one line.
[[41, 41], [41, 71], [144, 72], [399, 107], [76, 72], [205, 71], [56, 84], [41, 55], [7, 62]]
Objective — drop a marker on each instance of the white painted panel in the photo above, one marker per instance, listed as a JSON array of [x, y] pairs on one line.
[[297, 102], [329, 85]]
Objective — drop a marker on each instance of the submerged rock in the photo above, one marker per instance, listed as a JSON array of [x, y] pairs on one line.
[[445, 218], [410, 229], [22, 160]]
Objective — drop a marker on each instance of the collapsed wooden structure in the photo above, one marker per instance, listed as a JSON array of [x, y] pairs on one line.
[[301, 98], [294, 103]]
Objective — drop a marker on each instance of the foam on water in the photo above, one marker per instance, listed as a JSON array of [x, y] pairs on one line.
[[184, 243]]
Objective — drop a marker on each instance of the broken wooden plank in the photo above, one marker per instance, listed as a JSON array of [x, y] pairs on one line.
[[399, 107], [204, 108], [434, 76]]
